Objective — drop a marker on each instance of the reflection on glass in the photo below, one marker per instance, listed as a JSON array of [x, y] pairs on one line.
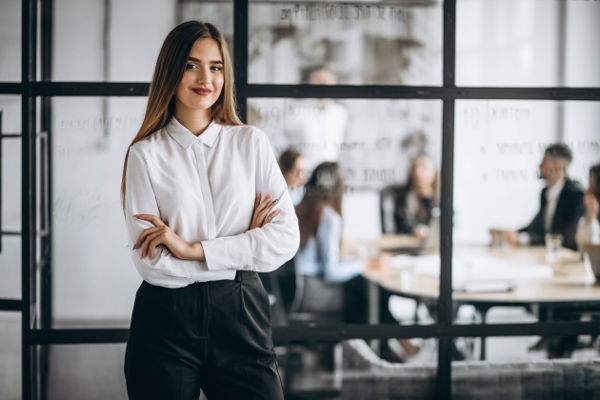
[[91, 257], [10, 355], [10, 260], [521, 361], [104, 47], [381, 178], [86, 372], [10, 41], [359, 371], [527, 43], [10, 257], [528, 166], [391, 43]]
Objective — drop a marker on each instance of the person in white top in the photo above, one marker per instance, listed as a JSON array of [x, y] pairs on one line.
[[588, 228], [316, 127], [206, 208]]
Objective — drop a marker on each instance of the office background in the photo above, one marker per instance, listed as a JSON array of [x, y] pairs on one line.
[[388, 58]]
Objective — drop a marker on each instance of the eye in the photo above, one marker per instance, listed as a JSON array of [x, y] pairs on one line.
[[216, 68], [191, 66]]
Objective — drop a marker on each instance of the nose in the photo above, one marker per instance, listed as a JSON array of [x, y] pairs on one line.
[[202, 75]]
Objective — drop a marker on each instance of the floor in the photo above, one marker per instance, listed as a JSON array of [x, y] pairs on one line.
[[95, 371]]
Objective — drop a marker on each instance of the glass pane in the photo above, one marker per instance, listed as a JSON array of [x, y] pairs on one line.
[[527, 43], [91, 258], [515, 369], [10, 267], [104, 47], [93, 372], [10, 356], [10, 41], [374, 142], [506, 268], [10, 257], [10, 106], [387, 43], [351, 369]]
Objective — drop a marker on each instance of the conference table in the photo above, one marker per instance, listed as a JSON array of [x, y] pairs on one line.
[[483, 276]]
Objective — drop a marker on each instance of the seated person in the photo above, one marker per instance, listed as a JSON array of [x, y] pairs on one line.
[[293, 168], [588, 228], [561, 203], [320, 218], [414, 203]]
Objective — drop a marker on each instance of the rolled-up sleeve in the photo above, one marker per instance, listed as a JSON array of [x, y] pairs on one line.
[[164, 269], [261, 249]]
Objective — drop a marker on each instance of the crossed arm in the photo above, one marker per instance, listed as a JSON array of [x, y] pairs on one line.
[[161, 234]]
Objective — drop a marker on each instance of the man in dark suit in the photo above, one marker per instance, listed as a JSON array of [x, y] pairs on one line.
[[561, 206], [561, 202]]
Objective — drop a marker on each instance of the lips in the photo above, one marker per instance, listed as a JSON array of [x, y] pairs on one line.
[[202, 91]]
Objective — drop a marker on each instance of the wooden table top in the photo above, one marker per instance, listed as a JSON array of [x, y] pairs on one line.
[[534, 280]]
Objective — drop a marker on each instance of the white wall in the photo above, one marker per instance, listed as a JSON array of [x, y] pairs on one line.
[[499, 144], [93, 276]]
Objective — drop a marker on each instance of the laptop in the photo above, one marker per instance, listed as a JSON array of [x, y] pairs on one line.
[[593, 251]]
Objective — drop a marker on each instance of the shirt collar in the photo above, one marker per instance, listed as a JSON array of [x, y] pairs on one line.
[[185, 138], [554, 191]]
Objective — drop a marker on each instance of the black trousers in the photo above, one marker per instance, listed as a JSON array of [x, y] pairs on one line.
[[210, 336]]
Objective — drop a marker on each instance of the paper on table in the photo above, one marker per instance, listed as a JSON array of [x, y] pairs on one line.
[[484, 286], [474, 268]]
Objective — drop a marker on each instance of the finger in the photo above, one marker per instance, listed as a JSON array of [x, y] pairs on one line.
[[142, 236], [151, 218], [257, 200], [267, 209], [271, 216], [263, 204], [147, 243], [155, 242]]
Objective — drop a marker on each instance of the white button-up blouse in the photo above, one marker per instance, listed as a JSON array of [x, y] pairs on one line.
[[203, 187]]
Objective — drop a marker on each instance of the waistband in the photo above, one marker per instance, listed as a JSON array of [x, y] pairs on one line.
[[240, 276]]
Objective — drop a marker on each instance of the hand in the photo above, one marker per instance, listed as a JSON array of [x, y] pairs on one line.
[[511, 237], [378, 263], [260, 215], [500, 236], [161, 234], [421, 231], [591, 205]]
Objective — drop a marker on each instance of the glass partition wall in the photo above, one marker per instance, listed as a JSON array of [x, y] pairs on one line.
[[371, 85]]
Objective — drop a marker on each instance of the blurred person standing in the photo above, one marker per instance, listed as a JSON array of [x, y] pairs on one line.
[[316, 127]]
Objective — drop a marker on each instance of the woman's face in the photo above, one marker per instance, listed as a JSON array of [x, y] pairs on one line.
[[297, 175], [423, 172], [203, 78]]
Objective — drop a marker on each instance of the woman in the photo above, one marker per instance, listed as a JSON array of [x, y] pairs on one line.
[[320, 218], [293, 168], [416, 201], [588, 228], [201, 319]]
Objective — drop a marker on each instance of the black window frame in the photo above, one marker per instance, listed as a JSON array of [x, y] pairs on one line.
[[37, 332]]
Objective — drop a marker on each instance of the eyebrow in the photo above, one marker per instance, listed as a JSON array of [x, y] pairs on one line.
[[212, 62]]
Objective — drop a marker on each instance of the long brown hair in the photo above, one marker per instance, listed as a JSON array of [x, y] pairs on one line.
[[168, 72], [324, 188]]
